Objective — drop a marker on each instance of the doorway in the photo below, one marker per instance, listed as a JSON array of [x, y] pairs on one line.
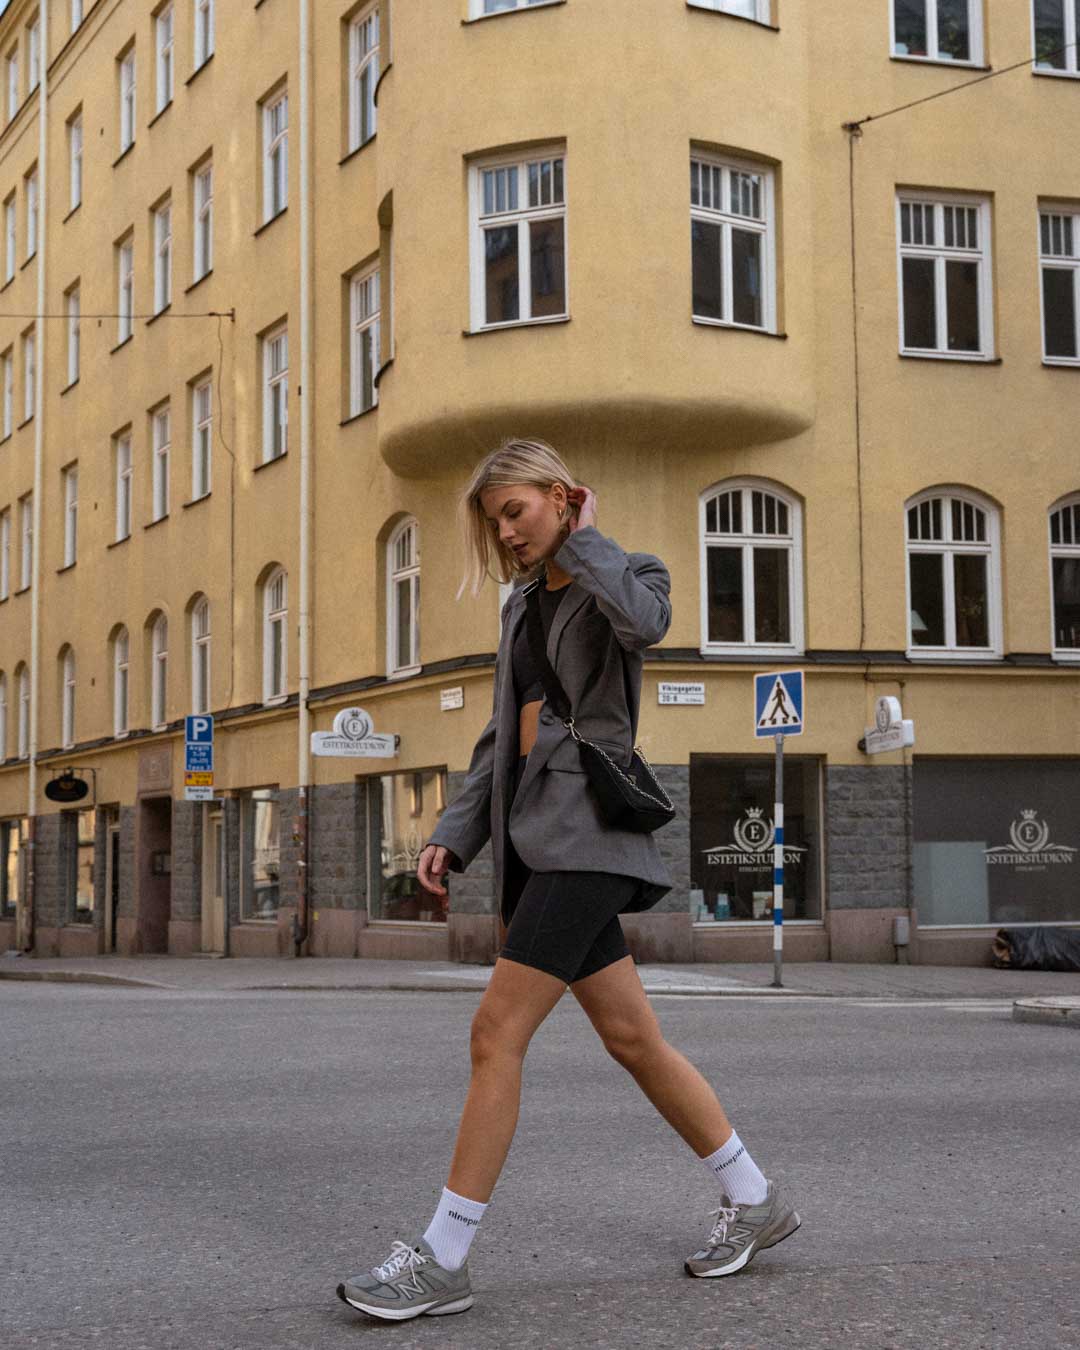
[[112, 876], [154, 854], [213, 880]]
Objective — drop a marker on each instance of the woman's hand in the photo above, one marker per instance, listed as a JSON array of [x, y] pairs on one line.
[[585, 500], [434, 862]]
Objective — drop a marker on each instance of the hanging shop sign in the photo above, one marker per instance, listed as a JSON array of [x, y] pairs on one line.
[[67, 787], [353, 738], [890, 730]]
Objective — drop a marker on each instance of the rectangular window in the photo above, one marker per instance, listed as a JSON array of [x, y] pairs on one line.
[[943, 246], [71, 513], [201, 438], [1065, 579], [9, 238], [275, 156], [758, 10], [938, 30], [363, 76], [161, 439], [203, 222], [75, 162], [5, 561], [163, 46], [365, 341], [200, 658], [1059, 265], [518, 240], [401, 807], [78, 851], [8, 361], [275, 395], [478, 8], [732, 804], [31, 188], [72, 306], [732, 243], [260, 849], [127, 100], [123, 486], [29, 374], [162, 257], [13, 837], [1056, 25], [33, 59], [125, 260], [204, 31], [76, 14], [26, 531], [14, 98]]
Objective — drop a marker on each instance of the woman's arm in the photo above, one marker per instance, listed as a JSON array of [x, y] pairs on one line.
[[465, 826], [635, 597]]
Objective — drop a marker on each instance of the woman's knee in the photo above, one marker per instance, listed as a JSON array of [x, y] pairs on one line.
[[632, 1044], [494, 1035]]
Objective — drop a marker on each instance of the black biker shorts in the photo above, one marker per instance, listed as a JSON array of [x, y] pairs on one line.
[[564, 923]]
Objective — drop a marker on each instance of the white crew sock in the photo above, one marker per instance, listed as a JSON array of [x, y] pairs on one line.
[[453, 1228], [738, 1173]]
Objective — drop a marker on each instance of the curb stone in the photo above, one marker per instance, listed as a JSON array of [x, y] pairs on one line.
[[1056, 1011]]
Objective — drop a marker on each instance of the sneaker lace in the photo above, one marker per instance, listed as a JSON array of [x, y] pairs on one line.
[[724, 1215], [401, 1256]]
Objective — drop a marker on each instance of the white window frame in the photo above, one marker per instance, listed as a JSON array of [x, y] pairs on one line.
[[276, 619], [275, 394], [26, 531], [76, 15], [948, 549], [403, 565], [164, 54], [126, 277], [8, 361], [29, 373], [200, 656], [121, 682], [933, 53], [31, 185], [75, 162], [1059, 262], [364, 61], [204, 32], [983, 256], [728, 220], [1072, 55], [163, 241], [67, 701], [33, 54], [14, 95], [203, 222], [760, 9], [275, 156], [161, 429], [73, 306], [1069, 509], [746, 541], [477, 8], [5, 553], [23, 688], [10, 238], [123, 480], [521, 216], [71, 514], [127, 99], [365, 327], [159, 677], [202, 443]]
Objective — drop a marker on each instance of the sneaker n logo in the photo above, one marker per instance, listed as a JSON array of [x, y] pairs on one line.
[[415, 1287]]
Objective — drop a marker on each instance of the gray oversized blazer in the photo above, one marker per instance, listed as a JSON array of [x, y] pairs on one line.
[[616, 605]]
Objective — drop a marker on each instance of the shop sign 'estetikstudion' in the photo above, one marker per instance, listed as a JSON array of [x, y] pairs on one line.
[[1030, 849], [752, 849]]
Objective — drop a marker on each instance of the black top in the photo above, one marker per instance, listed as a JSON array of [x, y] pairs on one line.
[[527, 686]]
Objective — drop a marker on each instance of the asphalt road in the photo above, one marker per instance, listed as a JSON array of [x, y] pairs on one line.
[[197, 1171]]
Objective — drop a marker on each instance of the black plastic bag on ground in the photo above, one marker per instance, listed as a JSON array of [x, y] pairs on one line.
[[1037, 949]]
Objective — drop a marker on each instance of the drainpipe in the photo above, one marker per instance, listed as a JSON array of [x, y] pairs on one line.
[[25, 938], [301, 831]]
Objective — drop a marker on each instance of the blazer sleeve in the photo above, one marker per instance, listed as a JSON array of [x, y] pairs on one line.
[[634, 595]]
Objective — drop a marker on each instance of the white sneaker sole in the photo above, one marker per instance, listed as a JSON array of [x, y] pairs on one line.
[[402, 1315]]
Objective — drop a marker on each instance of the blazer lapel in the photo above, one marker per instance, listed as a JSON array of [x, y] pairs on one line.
[[575, 597]]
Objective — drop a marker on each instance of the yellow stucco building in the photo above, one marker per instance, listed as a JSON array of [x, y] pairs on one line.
[[277, 272]]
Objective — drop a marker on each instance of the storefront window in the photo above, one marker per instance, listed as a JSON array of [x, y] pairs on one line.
[[260, 842], [403, 809], [79, 852], [13, 834], [731, 838], [997, 841]]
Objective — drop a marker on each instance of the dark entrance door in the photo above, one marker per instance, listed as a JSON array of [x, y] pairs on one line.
[[154, 870]]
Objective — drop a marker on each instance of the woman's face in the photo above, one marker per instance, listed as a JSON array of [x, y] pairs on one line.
[[527, 519]]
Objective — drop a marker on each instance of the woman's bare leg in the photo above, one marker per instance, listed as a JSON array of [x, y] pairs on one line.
[[517, 1000], [617, 1006]]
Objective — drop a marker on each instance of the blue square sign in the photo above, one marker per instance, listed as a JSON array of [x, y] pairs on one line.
[[778, 703]]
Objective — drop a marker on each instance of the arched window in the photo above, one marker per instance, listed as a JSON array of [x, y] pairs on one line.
[[403, 599], [275, 641], [120, 682], [200, 656], [751, 569], [3, 716], [67, 698], [22, 682], [953, 572], [1065, 577], [159, 672]]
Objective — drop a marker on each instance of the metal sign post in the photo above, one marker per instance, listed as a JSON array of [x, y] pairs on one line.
[[779, 711], [778, 867]]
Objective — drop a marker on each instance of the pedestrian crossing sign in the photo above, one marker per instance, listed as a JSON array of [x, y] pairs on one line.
[[778, 703]]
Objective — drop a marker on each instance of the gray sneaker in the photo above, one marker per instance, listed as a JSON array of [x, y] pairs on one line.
[[741, 1231], [409, 1282]]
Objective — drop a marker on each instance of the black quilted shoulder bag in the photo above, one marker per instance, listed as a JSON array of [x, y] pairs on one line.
[[630, 798]]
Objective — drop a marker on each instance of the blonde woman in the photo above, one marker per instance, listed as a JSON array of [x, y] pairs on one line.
[[562, 873]]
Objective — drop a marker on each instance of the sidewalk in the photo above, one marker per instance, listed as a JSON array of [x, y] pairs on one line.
[[820, 978]]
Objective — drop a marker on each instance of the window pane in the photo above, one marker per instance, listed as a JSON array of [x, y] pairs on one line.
[[920, 314], [547, 259], [403, 810], [404, 621], [263, 854], [772, 603], [972, 617], [927, 600], [962, 305], [910, 34], [954, 37], [1050, 34], [746, 277], [725, 595], [501, 274], [1067, 602], [1059, 311], [707, 271]]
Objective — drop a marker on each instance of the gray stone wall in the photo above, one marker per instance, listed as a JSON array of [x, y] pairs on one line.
[[868, 836], [125, 904], [289, 847], [49, 877], [101, 844], [232, 862], [338, 878], [186, 896], [673, 839]]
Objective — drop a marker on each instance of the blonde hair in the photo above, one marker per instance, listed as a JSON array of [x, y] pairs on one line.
[[516, 460]]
